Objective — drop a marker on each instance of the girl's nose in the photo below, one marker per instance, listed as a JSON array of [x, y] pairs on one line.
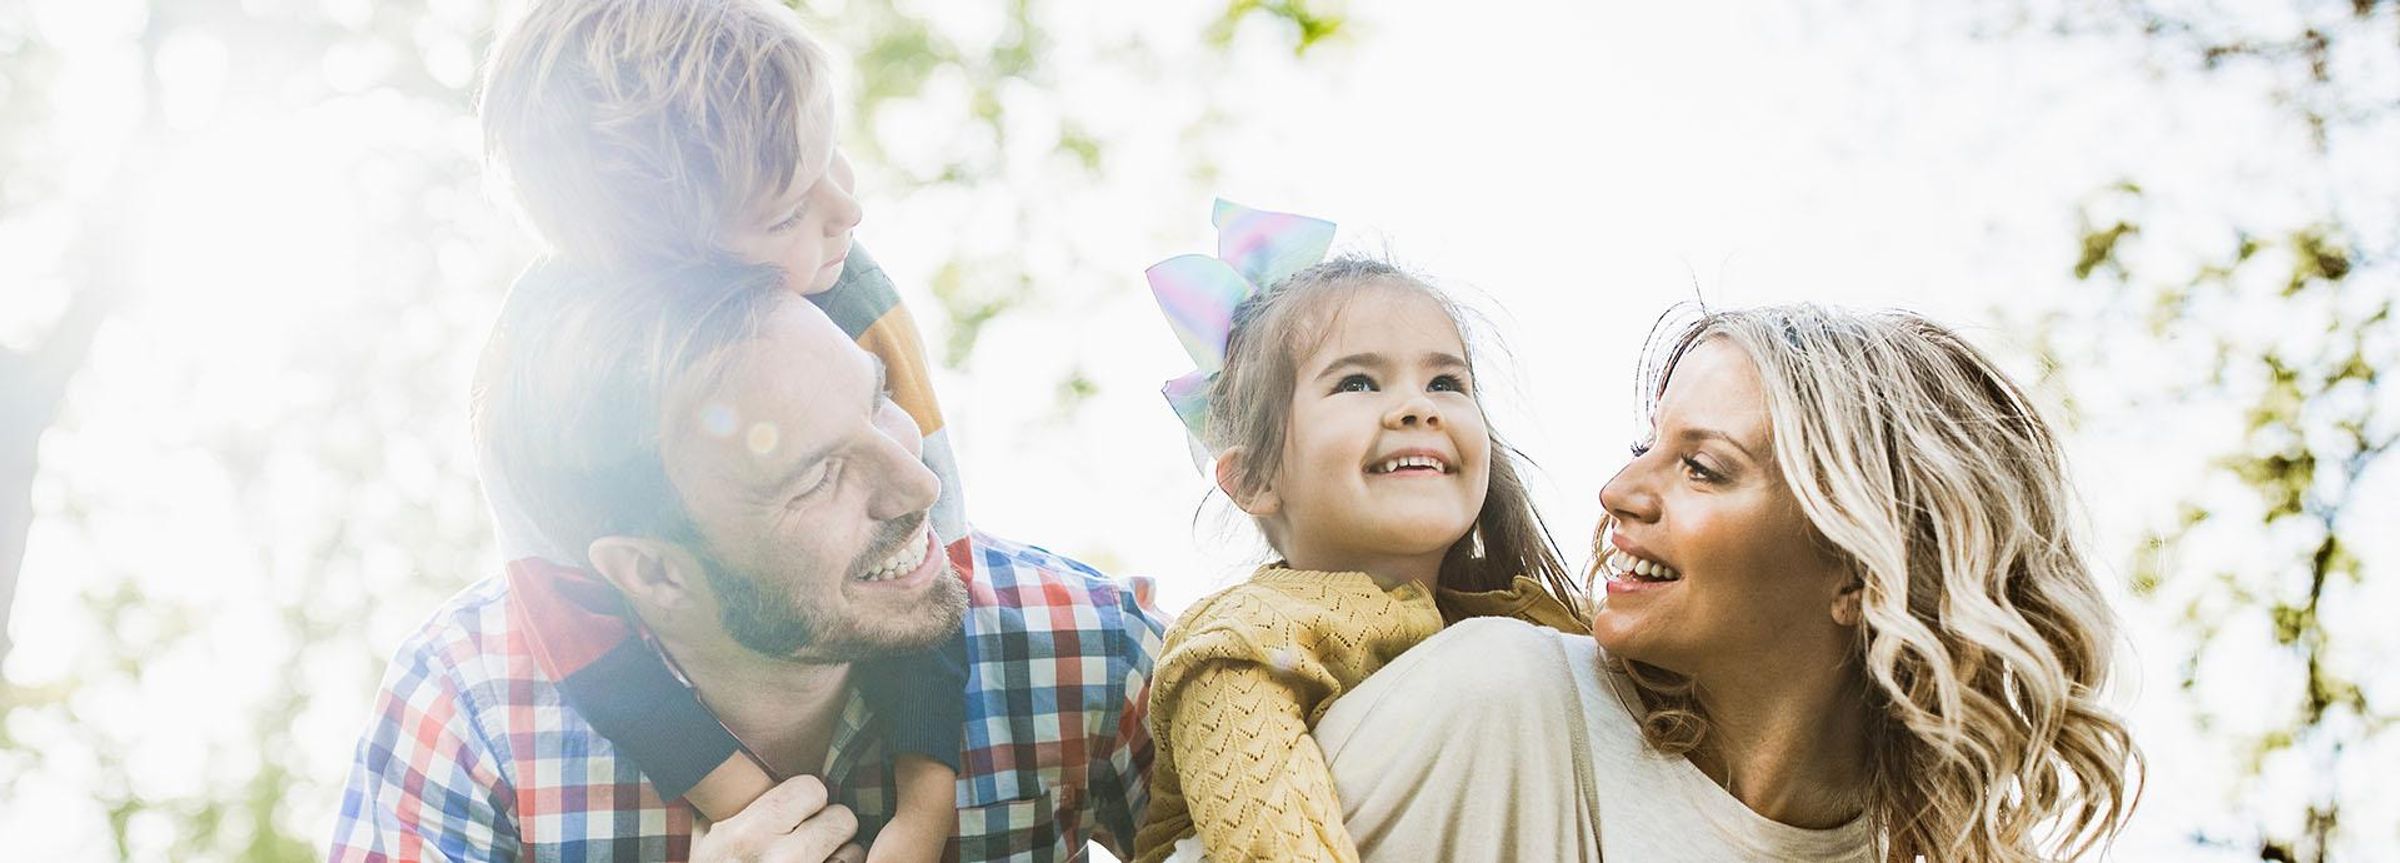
[[1413, 412]]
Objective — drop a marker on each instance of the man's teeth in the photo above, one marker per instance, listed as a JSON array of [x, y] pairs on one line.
[[1648, 570], [904, 560], [1407, 461]]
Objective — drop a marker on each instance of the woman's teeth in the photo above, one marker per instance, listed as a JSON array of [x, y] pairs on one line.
[[904, 560], [1647, 570], [1408, 462]]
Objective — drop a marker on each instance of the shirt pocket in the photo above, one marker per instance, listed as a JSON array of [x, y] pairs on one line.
[[1023, 829]]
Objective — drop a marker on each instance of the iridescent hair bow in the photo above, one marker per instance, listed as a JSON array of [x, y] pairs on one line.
[[1198, 294]]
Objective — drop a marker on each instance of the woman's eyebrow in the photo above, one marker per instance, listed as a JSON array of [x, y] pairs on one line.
[[1691, 433]]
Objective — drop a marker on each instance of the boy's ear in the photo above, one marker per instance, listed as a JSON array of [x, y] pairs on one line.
[[1259, 502], [654, 573]]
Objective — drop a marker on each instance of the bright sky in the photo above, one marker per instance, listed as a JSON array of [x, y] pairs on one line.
[[1572, 169]]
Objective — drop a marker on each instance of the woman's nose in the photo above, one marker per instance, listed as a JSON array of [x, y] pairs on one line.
[[1627, 498]]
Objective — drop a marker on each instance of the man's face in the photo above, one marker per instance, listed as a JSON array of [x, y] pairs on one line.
[[805, 229], [805, 485]]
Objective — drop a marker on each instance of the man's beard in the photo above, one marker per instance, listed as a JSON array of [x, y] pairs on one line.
[[762, 614]]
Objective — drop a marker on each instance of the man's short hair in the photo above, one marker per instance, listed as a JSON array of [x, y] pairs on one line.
[[587, 375], [633, 131]]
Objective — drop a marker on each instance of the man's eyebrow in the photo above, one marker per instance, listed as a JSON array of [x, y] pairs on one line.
[[784, 479]]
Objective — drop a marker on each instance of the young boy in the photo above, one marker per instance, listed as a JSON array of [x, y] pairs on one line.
[[638, 135]]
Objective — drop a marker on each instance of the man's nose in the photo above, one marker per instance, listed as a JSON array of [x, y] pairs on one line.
[[904, 484]]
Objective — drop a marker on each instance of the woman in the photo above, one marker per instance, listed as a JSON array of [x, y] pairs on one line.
[[1846, 618]]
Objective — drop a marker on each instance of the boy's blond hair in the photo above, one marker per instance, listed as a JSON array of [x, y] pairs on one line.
[[634, 132]]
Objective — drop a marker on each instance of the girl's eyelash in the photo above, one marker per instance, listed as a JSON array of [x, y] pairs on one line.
[[1457, 384], [1639, 448]]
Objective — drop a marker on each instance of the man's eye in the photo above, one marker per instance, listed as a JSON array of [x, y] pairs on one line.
[[1355, 384], [1448, 383], [810, 487]]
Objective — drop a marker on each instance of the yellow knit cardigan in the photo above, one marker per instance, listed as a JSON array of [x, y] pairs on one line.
[[1249, 670]]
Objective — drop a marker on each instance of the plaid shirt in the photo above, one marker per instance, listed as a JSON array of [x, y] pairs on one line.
[[473, 755]]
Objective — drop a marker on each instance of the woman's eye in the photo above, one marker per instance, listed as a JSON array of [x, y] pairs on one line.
[[1355, 384], [1694, 469], [1448, 383]]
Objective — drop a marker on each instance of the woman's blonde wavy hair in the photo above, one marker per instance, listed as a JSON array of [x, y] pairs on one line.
[[1985, 640]]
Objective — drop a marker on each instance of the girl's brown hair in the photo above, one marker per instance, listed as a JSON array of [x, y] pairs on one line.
[[1249, 404]]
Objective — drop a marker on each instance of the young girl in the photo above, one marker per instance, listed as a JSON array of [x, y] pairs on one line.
[[1340, 405]]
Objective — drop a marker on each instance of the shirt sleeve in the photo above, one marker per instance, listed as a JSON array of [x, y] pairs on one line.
[[1121, 786], [1256, 783], [425, 785]]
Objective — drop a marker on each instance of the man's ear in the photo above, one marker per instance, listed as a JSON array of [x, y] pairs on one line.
[[1260, 502], [654, 573], [1849, 605]]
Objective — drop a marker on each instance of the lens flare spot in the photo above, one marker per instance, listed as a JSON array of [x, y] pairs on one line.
[[763, 437]]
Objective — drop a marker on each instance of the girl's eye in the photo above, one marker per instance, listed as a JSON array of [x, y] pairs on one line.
[[1448, 383], [1355, 384], [789, 222]]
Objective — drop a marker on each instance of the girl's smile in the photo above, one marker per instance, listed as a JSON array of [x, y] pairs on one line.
[[1387, 461]]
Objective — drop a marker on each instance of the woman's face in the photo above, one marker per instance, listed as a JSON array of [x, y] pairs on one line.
[[1711, 565]]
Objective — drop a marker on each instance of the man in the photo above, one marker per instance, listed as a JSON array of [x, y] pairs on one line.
[[479, 751], [767, 531]]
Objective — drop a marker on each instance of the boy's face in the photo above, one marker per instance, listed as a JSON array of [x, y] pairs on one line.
[[804, 229]]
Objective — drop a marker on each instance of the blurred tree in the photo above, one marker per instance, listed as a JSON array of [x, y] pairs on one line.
[[256, 491], [2284, 308]]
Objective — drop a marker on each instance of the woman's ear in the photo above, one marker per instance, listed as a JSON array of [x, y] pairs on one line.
[[1849, 605], [1259, 502], [654, 573]]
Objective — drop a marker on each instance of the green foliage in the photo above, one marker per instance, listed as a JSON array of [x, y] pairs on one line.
[[2317, 420], [1311, 23]]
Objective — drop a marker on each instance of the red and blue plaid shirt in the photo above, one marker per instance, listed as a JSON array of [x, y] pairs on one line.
[[473, 755]]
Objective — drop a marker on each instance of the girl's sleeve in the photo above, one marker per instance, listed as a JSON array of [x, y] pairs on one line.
[[921, 699], [1257, 785]]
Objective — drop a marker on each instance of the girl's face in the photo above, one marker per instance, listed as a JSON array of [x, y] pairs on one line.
[[1711, 564], [1386, 459]]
